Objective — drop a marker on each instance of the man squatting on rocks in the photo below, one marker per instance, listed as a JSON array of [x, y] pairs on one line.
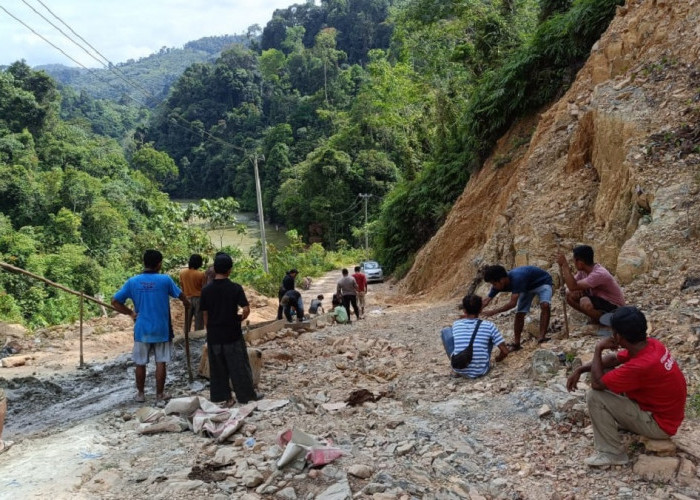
[[227, 351], [640, 388], [457, 337], [347, 289], [4, 445], [150, 292], [292, 300], [192, 281], [524, 283], [593, 290], [287, 284]]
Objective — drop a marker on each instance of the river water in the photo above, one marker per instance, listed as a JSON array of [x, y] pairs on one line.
[[274, 233]]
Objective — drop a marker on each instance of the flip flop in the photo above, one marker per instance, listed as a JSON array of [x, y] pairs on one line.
[[513, 347], [163, 397], [140, 398], [543, 340], [5, 445]]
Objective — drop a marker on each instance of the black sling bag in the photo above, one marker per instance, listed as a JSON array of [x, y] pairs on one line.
[[462, 359]]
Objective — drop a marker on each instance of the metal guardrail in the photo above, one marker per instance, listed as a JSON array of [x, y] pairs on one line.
[[82, 295]]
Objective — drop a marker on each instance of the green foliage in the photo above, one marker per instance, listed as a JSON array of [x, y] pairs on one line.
[[70, 208], [155, 165], [528, 77], [154, 73]]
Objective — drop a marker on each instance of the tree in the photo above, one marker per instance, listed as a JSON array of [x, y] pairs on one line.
[[158, 166], [218, 215]]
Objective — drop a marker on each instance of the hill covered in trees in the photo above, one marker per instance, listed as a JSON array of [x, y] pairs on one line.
[[399, 100], [72, 208], [154, 74]]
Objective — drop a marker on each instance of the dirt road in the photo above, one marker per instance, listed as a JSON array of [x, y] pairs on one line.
[[426, 436]]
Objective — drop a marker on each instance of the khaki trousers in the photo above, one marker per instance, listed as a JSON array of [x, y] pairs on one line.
[[361, 300], [610, 411]]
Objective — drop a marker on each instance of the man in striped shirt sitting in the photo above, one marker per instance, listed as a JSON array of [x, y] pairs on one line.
[[457, 338]]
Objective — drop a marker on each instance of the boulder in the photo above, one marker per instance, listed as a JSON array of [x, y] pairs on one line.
[[662, 447], [360, 470], [12, 330], [338, 491], [631, 262], [545, 364], [656, 468], [252, 478]]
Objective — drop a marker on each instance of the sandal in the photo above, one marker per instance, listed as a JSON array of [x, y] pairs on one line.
[[140, 398], [543, 340], [163, 397], [512, 347]]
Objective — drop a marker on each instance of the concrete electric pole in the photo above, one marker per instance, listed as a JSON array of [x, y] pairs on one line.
[[261, 217], [366, 197]]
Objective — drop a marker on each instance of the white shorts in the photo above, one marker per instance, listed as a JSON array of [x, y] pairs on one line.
[[141, 354]]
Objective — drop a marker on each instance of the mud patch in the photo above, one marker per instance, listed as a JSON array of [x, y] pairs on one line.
[[207, 473], [36, 405]]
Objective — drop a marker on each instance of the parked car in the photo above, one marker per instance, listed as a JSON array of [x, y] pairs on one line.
[[372, 270]]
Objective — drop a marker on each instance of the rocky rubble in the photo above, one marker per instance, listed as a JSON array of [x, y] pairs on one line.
[[516, 433]]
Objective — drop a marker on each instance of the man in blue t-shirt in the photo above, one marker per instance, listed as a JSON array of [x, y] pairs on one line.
[[523, 283], [150, 292]]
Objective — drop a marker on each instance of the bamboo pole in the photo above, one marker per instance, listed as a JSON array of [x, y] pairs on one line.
[[82, 308], [18, 270]]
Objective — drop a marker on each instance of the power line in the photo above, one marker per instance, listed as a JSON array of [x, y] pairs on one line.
[[111, 66], [146, 93]]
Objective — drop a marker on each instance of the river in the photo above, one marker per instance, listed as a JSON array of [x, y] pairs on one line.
[[230, 237]]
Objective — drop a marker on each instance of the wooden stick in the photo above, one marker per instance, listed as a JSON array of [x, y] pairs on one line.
[[82, 308], [18, 270], [562, 290], [188, 320]]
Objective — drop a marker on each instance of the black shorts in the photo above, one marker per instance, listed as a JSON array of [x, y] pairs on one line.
[[602, 304]]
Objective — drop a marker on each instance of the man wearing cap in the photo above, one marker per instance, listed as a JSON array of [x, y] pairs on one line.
[[593, 290], [639, 388], [287, 285]]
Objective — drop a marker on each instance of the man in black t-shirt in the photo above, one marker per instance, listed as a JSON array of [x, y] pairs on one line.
[[228, 354]]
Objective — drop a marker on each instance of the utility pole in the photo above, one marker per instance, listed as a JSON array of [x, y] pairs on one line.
[[366, 197], [261, 217]]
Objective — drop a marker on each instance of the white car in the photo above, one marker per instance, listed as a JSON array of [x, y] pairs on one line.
[[372, 270]]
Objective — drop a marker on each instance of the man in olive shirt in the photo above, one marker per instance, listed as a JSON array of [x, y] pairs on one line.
[[192, 281]]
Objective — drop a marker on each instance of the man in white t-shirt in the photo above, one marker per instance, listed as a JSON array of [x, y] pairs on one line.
[[593, 290]]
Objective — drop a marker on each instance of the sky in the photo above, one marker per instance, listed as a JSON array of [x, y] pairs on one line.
[[122, 29]]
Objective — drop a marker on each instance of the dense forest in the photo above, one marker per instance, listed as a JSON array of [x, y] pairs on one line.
[[154, 73], [72, 208], [398, 101]]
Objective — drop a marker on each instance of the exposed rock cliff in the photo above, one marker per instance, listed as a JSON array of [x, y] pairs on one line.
[[615, 163]]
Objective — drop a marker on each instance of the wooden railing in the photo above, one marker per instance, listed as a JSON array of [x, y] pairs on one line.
[[83, 297]]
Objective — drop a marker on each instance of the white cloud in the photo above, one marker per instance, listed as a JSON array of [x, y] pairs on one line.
[[126, 28]]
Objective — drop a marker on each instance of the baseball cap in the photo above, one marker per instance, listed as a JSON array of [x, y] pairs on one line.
[[625, 320]]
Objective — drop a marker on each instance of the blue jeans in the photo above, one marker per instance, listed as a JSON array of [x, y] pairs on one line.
[[544, 292], [448, 340], [299, 310]]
